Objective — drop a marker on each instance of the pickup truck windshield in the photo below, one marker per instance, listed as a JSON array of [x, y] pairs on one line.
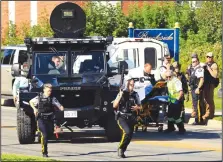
[[88, 62], [50, 63]]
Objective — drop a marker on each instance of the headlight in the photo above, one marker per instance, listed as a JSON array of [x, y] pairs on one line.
[[105, 103]]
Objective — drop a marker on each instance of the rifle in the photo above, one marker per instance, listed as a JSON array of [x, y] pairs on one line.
[[121, 85]]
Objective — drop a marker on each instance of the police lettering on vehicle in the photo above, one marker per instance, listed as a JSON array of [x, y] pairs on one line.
[[70, 88]]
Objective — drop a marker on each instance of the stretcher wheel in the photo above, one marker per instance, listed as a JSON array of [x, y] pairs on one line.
[[160, 129], [144, 129]]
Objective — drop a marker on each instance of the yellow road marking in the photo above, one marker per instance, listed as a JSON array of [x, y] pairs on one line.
[[179, 144], [9, 127]]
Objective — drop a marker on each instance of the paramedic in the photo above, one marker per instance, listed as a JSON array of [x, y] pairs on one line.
[[175, 94]]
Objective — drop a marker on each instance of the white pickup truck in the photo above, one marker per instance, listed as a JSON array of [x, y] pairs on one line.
[[10, 55]]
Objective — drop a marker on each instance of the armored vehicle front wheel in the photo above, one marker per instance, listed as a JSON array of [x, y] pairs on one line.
[[112, 130], [26, 127]]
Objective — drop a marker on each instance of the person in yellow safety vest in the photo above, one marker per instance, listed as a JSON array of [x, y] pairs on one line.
[[175, 93]]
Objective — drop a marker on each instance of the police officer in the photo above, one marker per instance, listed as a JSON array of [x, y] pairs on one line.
[[177, 73], [175, 94], [43, 106], [126, 103], [211, 81], [20, 82], [196, 80], [144, 79], [166, 66]]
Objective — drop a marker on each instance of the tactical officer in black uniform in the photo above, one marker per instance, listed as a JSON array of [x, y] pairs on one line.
[[127, 103], [45, 114]]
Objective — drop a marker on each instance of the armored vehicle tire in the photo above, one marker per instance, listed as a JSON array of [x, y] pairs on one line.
[[25, 128], [112, 130]]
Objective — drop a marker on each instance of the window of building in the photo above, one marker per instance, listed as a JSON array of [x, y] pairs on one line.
[[150, 56]]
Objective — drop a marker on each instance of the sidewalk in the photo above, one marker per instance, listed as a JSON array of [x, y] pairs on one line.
[[217, 113], [211, 123]]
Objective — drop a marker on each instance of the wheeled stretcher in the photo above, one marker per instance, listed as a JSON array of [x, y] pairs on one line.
[[154, 103]]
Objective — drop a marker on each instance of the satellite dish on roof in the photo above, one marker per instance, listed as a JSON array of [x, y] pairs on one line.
[[68, 20]]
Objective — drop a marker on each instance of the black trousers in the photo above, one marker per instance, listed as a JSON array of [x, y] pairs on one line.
[[198, 105], [46, 128], [175, 116], [127, 127]]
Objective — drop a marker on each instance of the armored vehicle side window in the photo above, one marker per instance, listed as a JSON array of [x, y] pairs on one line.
[[150, 56], [50, 64], [22, 56], [7, 56], [89, 62]]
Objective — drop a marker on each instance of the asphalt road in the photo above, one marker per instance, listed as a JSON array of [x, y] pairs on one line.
[[198, 144]]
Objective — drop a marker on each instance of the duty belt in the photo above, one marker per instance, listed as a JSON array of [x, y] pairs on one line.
[[125, 115], [46, 116]]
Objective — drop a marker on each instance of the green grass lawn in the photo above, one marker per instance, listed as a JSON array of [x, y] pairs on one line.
[[218, 118], [16, 157], [217, 100]]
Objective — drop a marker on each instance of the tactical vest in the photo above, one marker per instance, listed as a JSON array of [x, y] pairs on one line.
[[194, 81], [127, 101], [172, 92], [208, 79], [45, 104]]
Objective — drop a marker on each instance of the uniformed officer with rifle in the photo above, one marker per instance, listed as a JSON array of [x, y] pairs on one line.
[[43, 106], [126, 103]]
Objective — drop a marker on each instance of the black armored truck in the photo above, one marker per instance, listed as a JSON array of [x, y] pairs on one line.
[[77, 68]]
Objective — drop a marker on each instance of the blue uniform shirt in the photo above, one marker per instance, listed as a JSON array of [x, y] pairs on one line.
[[20, 82]]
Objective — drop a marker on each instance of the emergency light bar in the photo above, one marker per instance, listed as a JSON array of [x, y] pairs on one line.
[[45, 40]]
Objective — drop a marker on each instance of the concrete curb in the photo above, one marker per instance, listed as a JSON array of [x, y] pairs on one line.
[[7, 102], [210, 123]]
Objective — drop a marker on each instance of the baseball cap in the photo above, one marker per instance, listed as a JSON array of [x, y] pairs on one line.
[[210, 54], [194, 55]]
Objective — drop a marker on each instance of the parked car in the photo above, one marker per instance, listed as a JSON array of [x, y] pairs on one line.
[[9, 56]]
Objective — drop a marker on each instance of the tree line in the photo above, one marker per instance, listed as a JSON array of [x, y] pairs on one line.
[[200, 28]]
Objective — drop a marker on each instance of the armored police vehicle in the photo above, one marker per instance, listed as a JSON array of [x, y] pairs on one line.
[[77, 68]]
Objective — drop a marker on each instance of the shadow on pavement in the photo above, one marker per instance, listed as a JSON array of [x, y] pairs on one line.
[[175, 153], [150, 136]]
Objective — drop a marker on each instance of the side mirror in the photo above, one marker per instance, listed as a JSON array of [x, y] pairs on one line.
[[15, 70], [122, 65]]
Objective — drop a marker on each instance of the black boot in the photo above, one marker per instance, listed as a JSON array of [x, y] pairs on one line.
[[45, 153], [182, 130], [121, 153], [170, 128]]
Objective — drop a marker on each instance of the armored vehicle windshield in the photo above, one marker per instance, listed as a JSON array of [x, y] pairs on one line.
[[50, 63], [88, 62]]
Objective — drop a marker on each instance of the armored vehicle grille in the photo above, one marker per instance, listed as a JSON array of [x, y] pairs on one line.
[[76, 99]]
